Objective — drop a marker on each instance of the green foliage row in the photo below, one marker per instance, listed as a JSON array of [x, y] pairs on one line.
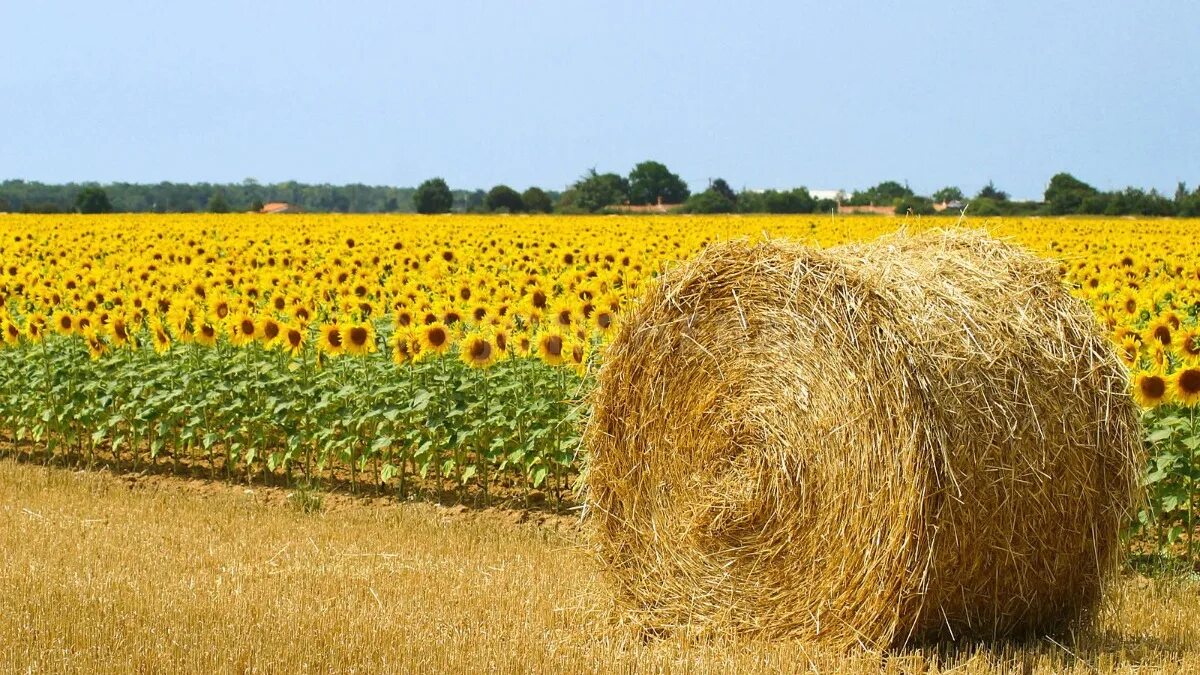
[[1170, 513], [248, 411]]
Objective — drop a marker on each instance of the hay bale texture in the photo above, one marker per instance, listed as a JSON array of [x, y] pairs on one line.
[[922, 437]]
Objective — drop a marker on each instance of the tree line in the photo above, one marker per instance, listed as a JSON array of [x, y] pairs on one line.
[[648, 183]]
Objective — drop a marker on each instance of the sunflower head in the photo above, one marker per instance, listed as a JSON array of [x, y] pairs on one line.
[[435, 338], [292, 339], [478, 351], [269, 331], [332, 341], [1150, 389], [359, 338], [1187, 384], [552, 348]]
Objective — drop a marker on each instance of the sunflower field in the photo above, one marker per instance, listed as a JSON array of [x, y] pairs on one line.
[[449, 352]]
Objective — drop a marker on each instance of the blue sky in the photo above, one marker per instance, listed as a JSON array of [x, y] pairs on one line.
[[764, 94]]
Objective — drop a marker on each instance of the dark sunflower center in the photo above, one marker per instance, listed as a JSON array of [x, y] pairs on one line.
[[437, 337], [247, 327], [1163, 335], [358, 336], [1154, 387], [271, 330], [1189, 381], [293, 337], [554, 345], [481, 350]]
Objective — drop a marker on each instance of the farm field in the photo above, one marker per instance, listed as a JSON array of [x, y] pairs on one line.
[[177, 392], [122, 573]]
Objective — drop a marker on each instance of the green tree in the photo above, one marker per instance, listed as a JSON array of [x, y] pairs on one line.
[[217, 203], [948, 194], [990, 191], [595, 191], [256, 205], [503, 198], [93, 199], [796, 200], [917, 206], [536, 200], [722, 188], [651, 181], [1066, 193], [709, 201], [884, 194], [433, 196]]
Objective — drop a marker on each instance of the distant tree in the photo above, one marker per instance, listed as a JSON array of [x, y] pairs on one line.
[[473, 202], [651, 181], [1181, 192], [985, 206], [917, 206], [797, 200], [503, 198], [1066, 193], [948, 194], [4, 205], [433, 196], [884, 194], [536, 200], [722, 188], [990, 191], [593, 192], [256, 205], [709, 201], [217, 203], [92, 199]]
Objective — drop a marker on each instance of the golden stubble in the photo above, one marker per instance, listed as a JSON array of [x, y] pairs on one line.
[[105, 574]]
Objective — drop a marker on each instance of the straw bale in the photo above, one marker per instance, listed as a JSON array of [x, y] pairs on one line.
[[923, 437]]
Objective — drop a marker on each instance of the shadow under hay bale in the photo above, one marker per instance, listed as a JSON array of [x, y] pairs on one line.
[[919, 438]]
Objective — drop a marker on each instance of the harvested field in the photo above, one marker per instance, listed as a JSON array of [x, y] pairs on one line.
[[104, 573]]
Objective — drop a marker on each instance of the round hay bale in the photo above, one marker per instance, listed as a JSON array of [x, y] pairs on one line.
[[922, 437]]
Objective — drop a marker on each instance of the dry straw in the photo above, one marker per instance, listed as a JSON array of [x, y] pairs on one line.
[[923, 437]]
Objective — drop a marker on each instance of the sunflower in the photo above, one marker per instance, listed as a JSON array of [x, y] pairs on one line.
[[302, 313], [269, 331], [477, 351], [331, 341], [207, 333], [64, 323], [1189, 343], [404, 347], [159, 336], [95, 344], [243, 329], [551, 346], [292, 339], [1128, 351], [403, 318], [118, 329], [522, 345], [1160, 331], [563, 315], [35, 326], [1127, 303], [1186, 383], [359, 338], [1150, 389], [500, 339], [12, 334], [435, 338], [577, 359]]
